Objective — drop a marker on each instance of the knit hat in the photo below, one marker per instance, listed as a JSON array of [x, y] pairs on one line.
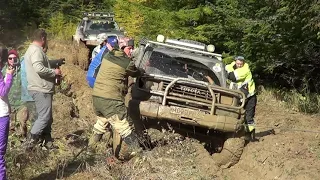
[[13, 51]]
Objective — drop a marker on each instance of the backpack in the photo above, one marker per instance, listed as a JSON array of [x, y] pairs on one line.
[[25, 96], [95, 66]]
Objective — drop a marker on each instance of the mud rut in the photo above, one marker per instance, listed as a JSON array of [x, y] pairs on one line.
[[174, 156]]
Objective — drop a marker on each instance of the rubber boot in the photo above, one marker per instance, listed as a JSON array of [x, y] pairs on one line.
[[48, 142], [23, 115], [133, 144], [32, 141], [250, 132], [95, 138]]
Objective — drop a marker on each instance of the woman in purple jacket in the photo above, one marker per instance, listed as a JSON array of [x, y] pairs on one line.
[[5, 85]]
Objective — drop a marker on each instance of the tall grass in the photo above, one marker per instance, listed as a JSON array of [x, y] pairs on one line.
[[305, 103]]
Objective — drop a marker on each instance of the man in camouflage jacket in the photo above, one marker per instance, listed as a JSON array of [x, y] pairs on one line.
[[108, 96]]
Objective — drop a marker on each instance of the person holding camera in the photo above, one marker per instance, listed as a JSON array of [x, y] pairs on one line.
[[21, 110], [40, 78]]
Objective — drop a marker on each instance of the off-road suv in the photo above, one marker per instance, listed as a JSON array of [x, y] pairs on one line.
[[94, 25], [186, 84]]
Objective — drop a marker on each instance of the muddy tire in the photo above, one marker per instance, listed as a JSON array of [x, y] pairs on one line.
[[231, 152]]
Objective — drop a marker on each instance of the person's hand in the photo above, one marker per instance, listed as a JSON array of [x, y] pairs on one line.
[[10, 70], [142, 71], [57, 72]]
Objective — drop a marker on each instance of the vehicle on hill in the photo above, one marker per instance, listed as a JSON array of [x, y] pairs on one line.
[[185, 84], [95, 25]]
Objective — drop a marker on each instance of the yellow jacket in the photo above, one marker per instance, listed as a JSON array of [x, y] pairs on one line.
[[242, 77]]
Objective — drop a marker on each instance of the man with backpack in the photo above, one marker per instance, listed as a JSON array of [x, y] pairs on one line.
[[94, 66], [108, 98]]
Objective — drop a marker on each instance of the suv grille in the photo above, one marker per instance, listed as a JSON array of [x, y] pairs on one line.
[[189, 91], [189, 94]]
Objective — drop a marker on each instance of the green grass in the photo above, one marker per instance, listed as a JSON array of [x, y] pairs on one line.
[[306, 103]]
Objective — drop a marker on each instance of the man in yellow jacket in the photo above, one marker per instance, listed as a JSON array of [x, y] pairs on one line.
[[239, 73]]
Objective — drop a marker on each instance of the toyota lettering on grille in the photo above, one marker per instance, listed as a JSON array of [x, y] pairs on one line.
[[191, 90]]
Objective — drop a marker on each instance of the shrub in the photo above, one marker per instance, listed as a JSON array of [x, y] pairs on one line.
[[60, 28]]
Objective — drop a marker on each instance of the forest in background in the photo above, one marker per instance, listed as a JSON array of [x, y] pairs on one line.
[[279, 38]]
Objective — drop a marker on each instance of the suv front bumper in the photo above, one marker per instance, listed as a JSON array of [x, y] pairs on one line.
[[187, 116]]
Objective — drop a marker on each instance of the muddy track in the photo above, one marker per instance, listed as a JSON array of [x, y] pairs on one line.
[[280, 152]]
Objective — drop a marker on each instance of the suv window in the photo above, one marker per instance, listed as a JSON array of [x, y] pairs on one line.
[[101, 25]]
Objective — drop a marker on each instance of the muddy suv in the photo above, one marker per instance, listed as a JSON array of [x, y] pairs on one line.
[[185, 83], [95, 25]]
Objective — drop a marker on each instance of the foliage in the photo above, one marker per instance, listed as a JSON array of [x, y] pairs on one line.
[[19, 14], [280, 39], [60, 28]]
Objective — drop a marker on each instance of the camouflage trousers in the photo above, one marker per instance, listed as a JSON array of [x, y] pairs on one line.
[[20, 116], [111, 112], [103, 123]]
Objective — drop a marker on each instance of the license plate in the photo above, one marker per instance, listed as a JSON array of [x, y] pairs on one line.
[[186, 112]]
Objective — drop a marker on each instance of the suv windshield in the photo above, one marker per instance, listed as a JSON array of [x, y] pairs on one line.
[[101, 25], [163, 64]]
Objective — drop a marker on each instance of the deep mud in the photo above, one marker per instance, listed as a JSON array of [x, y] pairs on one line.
[[282, 152]]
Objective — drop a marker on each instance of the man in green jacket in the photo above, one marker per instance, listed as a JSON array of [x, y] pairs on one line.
[[108, 95], [239, 72]]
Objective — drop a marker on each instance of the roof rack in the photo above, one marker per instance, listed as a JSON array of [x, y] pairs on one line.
[[98, 14], [186, 46]]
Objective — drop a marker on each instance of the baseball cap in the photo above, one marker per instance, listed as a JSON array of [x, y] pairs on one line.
[[112, 40]]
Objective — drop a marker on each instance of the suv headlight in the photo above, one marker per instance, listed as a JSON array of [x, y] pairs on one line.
[[160, 38], [210, 48]]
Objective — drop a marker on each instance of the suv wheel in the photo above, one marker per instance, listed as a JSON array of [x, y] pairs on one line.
[[231, 152]]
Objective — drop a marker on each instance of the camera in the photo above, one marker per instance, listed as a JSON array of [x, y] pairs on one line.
[[16, 63]]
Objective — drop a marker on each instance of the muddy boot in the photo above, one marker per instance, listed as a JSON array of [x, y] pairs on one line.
[[22, 116], [23, 130], [133, 145], [250, 133], [48, 142], [95, 138], [31, 142]]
